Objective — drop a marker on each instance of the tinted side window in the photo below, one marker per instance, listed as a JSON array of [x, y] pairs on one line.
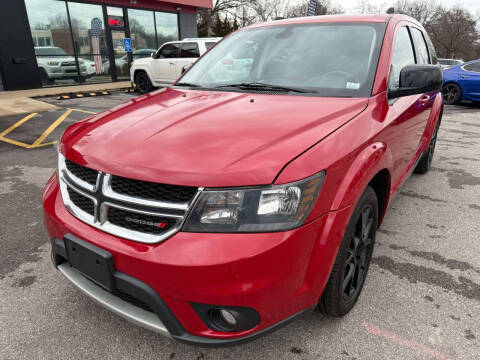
[[190, 50], [473, 67], [402, 55], [168, 51], [208, 45], [421, 46]]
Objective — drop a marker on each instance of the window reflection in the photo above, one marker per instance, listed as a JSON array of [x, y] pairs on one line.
[[142, 29], [53, 43], [59, 40], [89, 40], [167, 27]]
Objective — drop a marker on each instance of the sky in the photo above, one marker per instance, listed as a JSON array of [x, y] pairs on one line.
[[352, 5]]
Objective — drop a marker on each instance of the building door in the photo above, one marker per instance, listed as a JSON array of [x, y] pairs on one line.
[[118, 65]]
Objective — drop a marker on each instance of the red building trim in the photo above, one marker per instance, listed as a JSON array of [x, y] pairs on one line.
[[186, 5]]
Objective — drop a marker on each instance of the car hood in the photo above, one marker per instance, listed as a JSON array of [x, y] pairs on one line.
[[205, 138], [142, 61], [56, 58]]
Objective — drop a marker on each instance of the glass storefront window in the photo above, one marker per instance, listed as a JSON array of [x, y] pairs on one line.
[[167, 27], [52, 41], [71, 44], [89, 41], [142, 30], [122, 65]]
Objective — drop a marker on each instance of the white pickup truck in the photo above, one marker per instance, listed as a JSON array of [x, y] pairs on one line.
[[166, 65]]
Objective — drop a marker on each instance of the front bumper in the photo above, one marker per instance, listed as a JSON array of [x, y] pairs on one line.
[[149, 320], [280, 275]]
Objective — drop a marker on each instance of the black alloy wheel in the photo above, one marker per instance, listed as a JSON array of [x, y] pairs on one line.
[[452, 94], [353, 259], [426, 161], [358, 251], [143, 83]]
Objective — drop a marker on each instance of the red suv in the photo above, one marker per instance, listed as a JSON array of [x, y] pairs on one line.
[[251, 190]]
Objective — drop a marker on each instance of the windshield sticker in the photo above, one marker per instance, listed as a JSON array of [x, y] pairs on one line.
[[353, 85]]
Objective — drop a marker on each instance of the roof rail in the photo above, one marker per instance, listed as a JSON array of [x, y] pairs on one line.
[[205, 38]]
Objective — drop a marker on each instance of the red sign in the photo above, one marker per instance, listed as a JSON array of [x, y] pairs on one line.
[[116, 21]]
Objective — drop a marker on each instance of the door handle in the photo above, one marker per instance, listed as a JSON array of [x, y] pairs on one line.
[[424, 99], [463, 76], [172, 63]]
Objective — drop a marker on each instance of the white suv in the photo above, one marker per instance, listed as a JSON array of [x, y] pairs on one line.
[[167, 64], [54, 64]]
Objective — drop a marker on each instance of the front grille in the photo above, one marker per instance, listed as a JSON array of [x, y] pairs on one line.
[[68, 63], [136, 210], [153, 191], [81, 201], [139, 222], [82, 172], [132, 300]]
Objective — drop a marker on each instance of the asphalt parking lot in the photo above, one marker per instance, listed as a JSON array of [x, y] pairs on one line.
[[421, 299]]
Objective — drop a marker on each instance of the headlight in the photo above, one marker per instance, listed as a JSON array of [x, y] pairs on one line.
[[273, 208], [52, 63]]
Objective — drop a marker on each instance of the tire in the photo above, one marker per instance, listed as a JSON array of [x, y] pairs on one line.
[[452, 93], [353, 259], [44, 77], [426, 161], [143, 83]]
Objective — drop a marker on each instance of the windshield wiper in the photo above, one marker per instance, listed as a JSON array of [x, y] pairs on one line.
[[187, 84], [264, 86]]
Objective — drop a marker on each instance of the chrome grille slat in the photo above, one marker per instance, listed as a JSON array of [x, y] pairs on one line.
[[104, 199]]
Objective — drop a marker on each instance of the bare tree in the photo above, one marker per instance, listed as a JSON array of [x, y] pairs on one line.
[[206, 17], [455, 35], [423, 11], [324, 7], [366, 7], [453, 31]]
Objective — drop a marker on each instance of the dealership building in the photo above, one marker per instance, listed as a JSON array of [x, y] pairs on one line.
[[65, 42]]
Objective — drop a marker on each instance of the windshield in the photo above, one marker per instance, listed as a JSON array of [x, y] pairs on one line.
[[330, 59], [51, 51]]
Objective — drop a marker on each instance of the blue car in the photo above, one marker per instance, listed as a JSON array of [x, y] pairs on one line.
[[462, 82]]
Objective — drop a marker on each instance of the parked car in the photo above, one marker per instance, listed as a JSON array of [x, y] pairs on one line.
[[54, 64], [462, 82], [90, 67], [448, 63], [123, 61], [234, 201], [168, 63]]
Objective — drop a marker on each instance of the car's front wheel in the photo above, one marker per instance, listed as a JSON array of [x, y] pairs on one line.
[[353, 259], [452, 94], [143, 83]]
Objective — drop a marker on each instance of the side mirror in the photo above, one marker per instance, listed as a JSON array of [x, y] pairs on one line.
[[153, 55], [417, 79], [186, 67]]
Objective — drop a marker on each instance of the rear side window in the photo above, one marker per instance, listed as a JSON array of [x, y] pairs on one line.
[[431, 49], [421, 46], [403, 55], [208, 45], [189, 50], [168, 51], [475, 67]]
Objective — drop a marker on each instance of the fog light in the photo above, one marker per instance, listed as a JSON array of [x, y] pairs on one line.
[[228, 318]]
